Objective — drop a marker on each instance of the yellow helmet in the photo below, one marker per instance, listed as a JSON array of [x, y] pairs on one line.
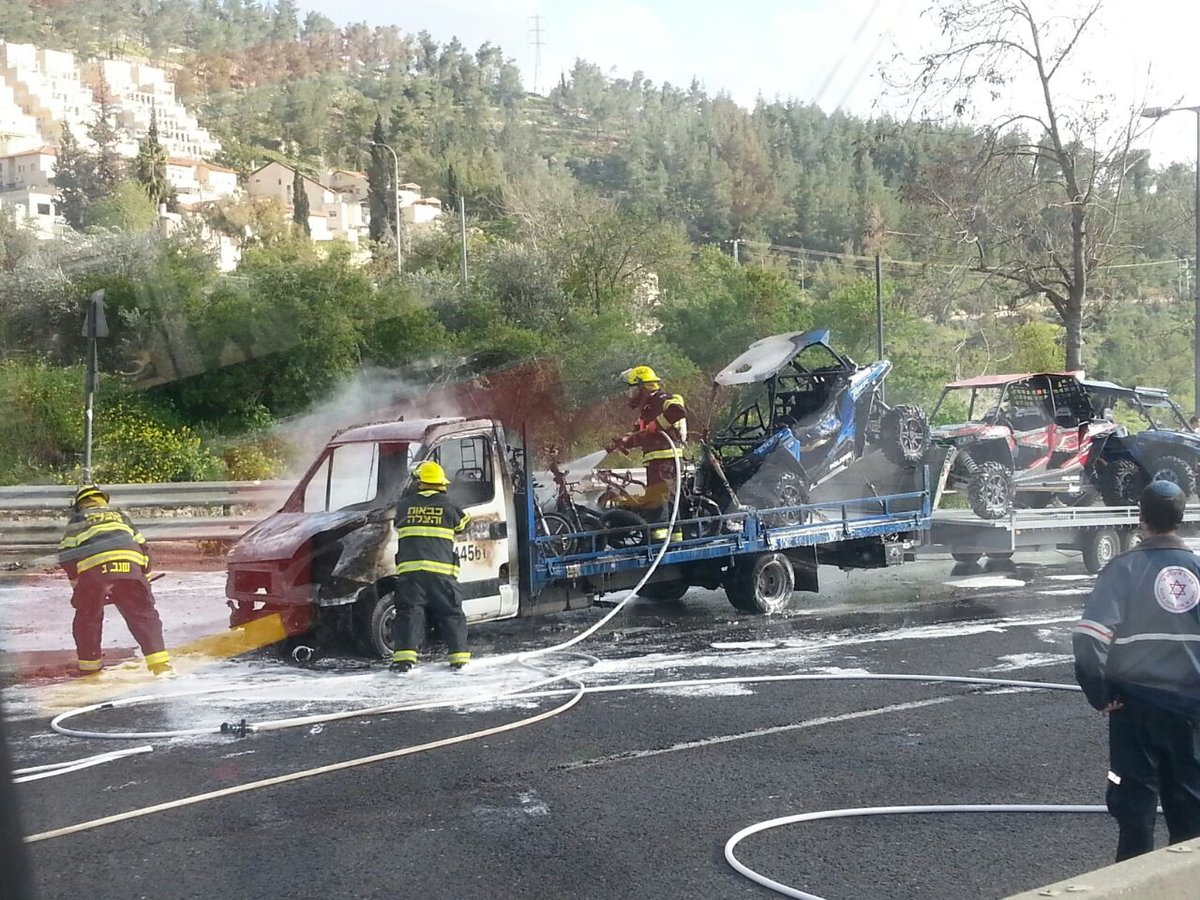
[[89, 492], [640, 375], [431, 473]]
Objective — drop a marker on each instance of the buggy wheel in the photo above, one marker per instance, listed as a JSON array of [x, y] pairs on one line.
[[963, 556], [763, 584], [904, 435], [990, 491], [1174, 470], [775, 487], [1121, 483]]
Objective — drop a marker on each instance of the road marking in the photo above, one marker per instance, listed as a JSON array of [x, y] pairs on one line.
[[758, 732]]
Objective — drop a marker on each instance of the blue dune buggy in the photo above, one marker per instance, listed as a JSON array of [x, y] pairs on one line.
[[802, 413]]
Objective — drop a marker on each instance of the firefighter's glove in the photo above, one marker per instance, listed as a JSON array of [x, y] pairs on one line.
[[619, 445]]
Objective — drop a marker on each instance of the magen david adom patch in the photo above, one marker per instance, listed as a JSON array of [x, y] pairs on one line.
[[1177, 589]]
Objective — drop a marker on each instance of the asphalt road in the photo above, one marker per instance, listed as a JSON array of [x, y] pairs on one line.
[[628, 794]]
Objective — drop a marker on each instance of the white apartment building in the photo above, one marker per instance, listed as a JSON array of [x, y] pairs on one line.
[[423, 211], [348, 184], [331, 215], [30, 170], [46, 86], [36, 209], [200, 182], [136, 91]]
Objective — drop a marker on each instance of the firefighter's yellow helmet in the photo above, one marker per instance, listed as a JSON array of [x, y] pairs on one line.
[[88, 492], [640, 375], [431, 473]]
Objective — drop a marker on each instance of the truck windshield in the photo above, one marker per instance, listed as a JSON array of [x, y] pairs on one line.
[[358, 475]]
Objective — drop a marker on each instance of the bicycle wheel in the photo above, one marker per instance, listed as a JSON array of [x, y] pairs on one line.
[[552, 525]]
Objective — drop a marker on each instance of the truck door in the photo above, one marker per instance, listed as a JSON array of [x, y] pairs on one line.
[[483, 549]]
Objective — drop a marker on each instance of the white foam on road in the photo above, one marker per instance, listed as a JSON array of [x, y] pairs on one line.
[[1066, 592], [1071, 577], [744, 645], [985, 581], [1016, 661]]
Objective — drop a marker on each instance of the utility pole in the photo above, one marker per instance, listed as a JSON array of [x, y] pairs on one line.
[[94, 326], [462, 231], [537, 43], [879, 313]]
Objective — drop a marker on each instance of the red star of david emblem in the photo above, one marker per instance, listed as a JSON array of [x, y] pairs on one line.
[[1178, 589]]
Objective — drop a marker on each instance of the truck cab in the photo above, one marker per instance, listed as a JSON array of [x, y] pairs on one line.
[[310, 562]]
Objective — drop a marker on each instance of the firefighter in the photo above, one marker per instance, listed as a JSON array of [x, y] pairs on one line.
[[1136, 661], [659, 414], [426, 580], [107, 561]]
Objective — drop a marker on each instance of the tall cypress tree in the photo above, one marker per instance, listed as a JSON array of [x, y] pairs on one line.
[[381, 186], [300, 204]]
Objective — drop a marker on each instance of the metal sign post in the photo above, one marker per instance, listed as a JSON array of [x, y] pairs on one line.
[[95, 326]]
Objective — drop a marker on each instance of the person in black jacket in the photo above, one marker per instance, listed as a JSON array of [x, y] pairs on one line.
[[426, 579], [1137, 658], [106, 560]]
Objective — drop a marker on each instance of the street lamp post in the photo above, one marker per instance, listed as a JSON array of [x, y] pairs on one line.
[[1157, 112], [395, 199]]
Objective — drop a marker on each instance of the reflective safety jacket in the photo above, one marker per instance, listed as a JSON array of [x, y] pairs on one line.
[[426, 523], [1139, 638], [103, 541], [661, 413]]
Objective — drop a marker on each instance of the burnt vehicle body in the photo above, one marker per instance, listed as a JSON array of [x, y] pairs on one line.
[[311, 562], [803, 413], [1026, 439], [1165, 449]]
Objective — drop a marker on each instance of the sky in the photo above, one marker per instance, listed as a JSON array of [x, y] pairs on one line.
[[828, 52]]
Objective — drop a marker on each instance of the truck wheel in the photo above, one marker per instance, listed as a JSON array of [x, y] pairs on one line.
[[990, 491], [665, 591], [1099, 548], [904, 435], [1175, 470], [1121, 483], [761, 585], [1130, 538], [634, 533], [373, 616]]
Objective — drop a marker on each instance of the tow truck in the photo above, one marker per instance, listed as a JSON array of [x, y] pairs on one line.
[[316, 561]]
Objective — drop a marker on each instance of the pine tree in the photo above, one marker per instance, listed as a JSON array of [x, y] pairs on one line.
[[71, 170], [381, 186], [109, 167], [150, 167], [300, 204]]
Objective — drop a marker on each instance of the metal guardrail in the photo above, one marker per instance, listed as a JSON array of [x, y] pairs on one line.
[[32, 517], [57, 497]]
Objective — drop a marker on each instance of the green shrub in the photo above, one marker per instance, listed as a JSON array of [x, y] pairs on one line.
[[137, 449], [257, 461]]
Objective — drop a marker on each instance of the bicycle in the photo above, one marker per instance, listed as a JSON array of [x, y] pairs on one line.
[[699, 515]]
